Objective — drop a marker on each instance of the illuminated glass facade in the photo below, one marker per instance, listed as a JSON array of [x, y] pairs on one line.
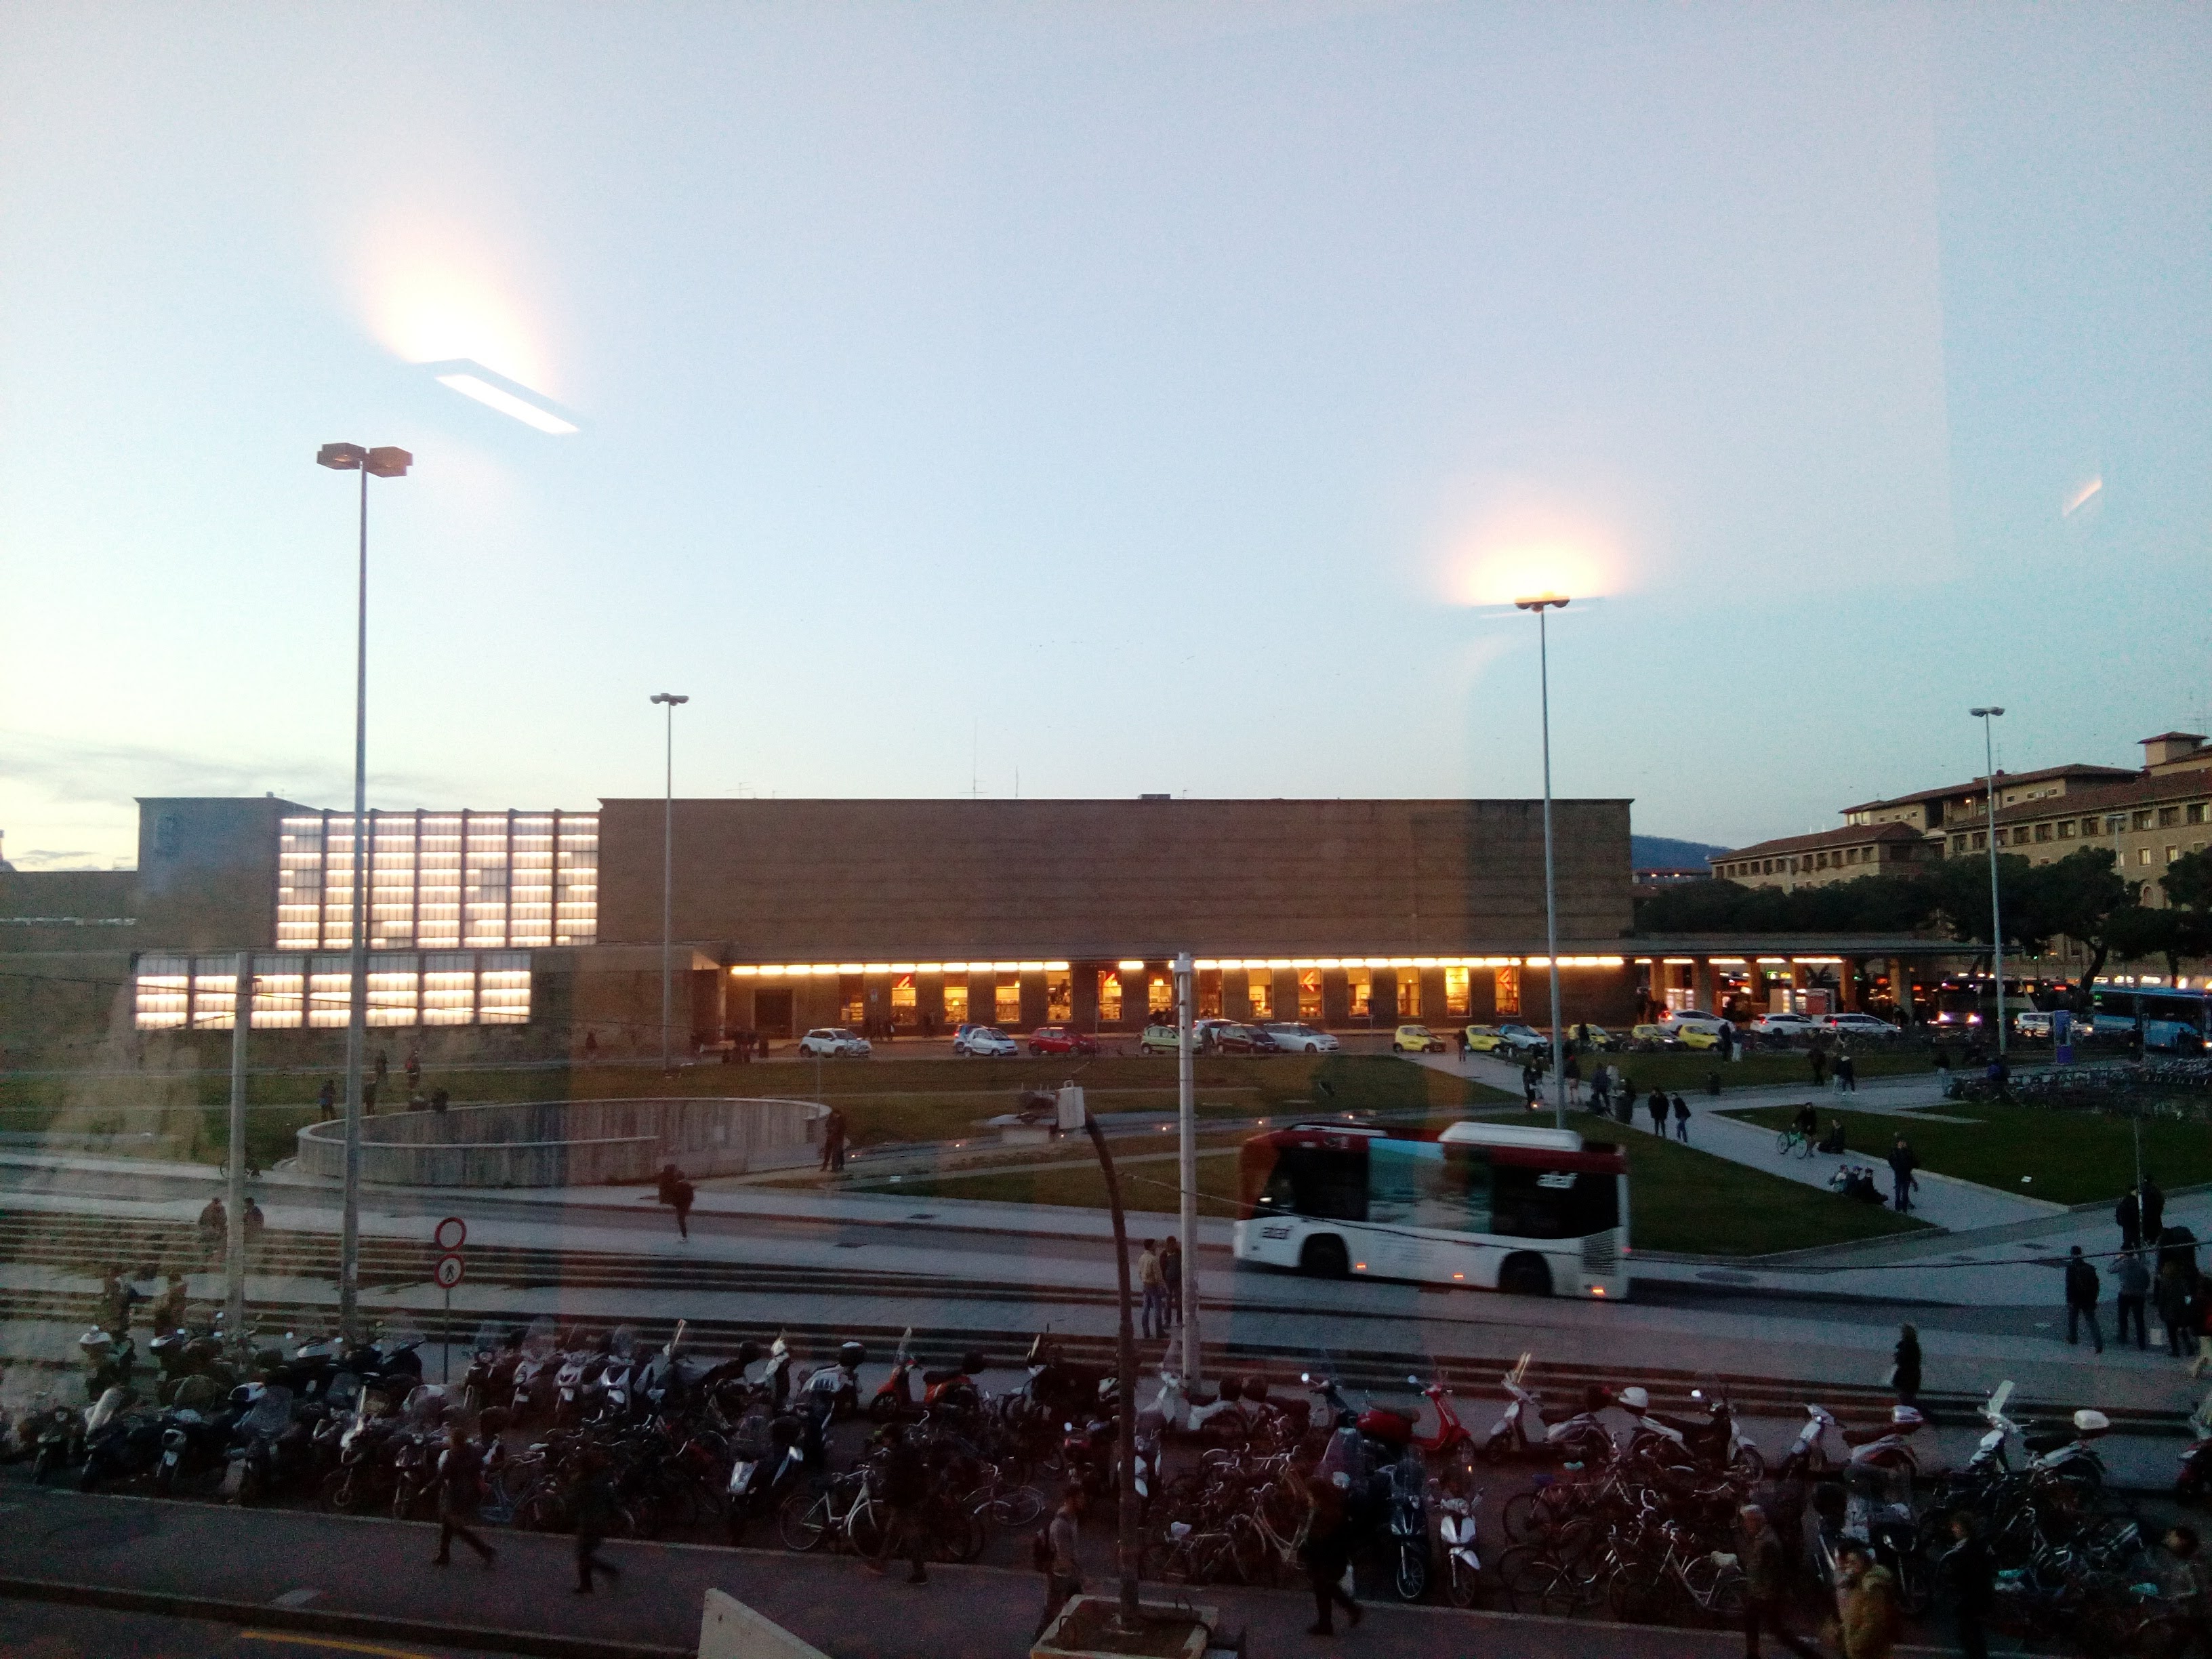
[[405, 987], [442, 880]]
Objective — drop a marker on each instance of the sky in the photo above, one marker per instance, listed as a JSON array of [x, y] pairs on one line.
[[1093, 399]]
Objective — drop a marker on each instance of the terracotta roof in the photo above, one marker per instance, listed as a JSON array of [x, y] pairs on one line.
[[2163, 736], [2191, 785], [2005, 781], [1856, 835]]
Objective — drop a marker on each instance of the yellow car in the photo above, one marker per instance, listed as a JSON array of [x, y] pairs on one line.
[[1484, 1039], [1416, 1040], [1698, 1037]]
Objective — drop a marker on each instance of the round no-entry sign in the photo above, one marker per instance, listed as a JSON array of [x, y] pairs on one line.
[[452, 1232], [448, 1271]]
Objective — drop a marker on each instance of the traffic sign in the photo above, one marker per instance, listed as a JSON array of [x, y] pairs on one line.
[[452, 1232], [448, 1271]]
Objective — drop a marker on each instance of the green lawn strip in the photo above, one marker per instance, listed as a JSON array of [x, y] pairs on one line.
[[1687, 1071], [1144, 1186], [2071, 1158]]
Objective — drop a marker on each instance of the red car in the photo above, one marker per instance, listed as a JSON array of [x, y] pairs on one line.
[[1059, 1040]]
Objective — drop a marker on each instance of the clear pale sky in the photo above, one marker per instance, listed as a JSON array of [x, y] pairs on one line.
[[1130, 397]]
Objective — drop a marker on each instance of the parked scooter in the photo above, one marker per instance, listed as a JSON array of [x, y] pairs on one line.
[[1521, 1430], [489, 1381], [767, 1464], [1451, 1446], [119, 1442], [1716, 1441], [55, 1433], [1176, 1413], [1462, 1563], [894, 1398], [108, 1362], [2068, 1454]]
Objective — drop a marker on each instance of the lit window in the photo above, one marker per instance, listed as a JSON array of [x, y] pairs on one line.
[[904, 1001], [1456, 1003], [1159, 995], [2143, 856], [1059, 996], [1209, 992], [1260, 993], [955, 1002], [1506, 987], [2143, 819], [1360, 987], [1007, 1009], [1309, 993]]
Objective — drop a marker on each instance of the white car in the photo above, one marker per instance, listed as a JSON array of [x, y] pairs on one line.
[[1296, 1039], [987, 1043], [834, 1042], [1522, 1040], [1785, 1025], [1858, 1025]]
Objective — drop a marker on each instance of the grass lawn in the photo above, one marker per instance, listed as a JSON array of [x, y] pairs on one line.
[[1687, 1071], [1680, 1198], [2073, 1158]]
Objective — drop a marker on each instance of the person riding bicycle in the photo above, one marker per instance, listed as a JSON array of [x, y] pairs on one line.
[[1808, 1121]]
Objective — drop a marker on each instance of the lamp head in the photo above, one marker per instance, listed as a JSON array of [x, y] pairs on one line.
[[389, 462], [1984, 713], [1542, 602], [669, 697], [342, 458]]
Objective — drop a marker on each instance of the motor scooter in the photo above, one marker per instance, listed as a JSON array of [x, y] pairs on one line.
[[253, 1472], [1220, 1419], [2068, 1454], [894, 1398], [952, 1393], [1462, 1563], [119, 1442], [834, 1390], [490, 1380], [1521, 1430], [1451, 1446], [1408, 1525], [1716, 1442], [664, 1382], [768, 1463], [55, 1431], [108, 1362]]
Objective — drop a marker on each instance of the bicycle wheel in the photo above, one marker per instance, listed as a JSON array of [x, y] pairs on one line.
[[1519, 1516], [1019, 1506], [868, 1529], [1537, 1582], [958, 1536], [1411, 1578], [1785, 1143], [804, 1520]]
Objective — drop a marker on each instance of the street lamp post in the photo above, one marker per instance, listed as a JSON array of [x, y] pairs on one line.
[[385, 462], [1997, 924], [668, 886], [1539, 604]]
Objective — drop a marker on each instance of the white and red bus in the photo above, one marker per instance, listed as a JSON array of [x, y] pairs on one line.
[[1490, 1206]]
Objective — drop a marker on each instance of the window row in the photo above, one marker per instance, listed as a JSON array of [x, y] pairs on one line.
[[408, 988]]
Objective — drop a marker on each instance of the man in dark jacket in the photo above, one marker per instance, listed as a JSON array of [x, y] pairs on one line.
[[2154, 1208], [1765, 1588], [1902, 1163], [2128, 1213], [2082, 1299], [2132, 1295], [1971, 1572], [1327, 1550], [906, 1488], [460, 1491], [1657, 1107]]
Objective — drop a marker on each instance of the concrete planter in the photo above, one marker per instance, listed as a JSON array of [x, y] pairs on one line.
[[1087, 1628]]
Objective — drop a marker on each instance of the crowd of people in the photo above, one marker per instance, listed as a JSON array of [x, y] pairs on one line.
[[2154, 1270]]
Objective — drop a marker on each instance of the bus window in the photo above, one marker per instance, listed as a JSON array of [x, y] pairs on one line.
[[1306, 1180], [1533, 1203]]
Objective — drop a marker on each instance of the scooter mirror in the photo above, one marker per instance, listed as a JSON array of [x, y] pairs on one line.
[[1697, 1393], [1306, 1377], [1414, 1380]]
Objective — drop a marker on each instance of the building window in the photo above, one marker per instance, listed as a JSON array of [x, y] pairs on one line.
[[1159, 996], [1109, 996], [2171, 854], [2168, 816], [902, 999], [2043, 832], [1820, 861], [1506, 985], [2142, 820], [1359, 992], [1007, 1006], [2021, 837], [1060, 997], [1409, 994], [955, 1002], [405, 987], [2115, 822], [2143, 856], [852, 1001], [1260, 993], [1957, 843], [1457, 999], [1209, 993], [2066, 829], [1309, 993], [1981, 839], [2195, 814]]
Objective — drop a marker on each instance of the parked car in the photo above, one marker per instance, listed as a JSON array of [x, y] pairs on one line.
[[1699, 1036], [1206, 1033], [1523, 1041], [1593, 1037], [985, 1042], [1159, 1040], [1231, 1038], [1416, 1040], [1297, 1038], [834, 1042], [1681, 1019], [1785, 1025], [1060, 1040], [1867, 1025]]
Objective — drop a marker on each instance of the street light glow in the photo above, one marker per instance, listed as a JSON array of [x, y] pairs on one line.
[[492, 397]]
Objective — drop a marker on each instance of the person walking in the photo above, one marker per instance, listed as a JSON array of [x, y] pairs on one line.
[[1765, 1586], [2153, 1201], [1171, 1277], [1327, 1552], [1847, 1074], [1153, 1283], [116, 1296], [414, 1069], [326, 1100], [1064, 1568], [2171, 1290], [1601, 1093], [595, 1515], [1865, 1603], [1573, 1073], [1681, 1120], [1971, 1572], [2131, 1295], [459, 1482], [1817, 1058], [2082, 1300], [1902, 1163], [677, 1193], [833, 1141], [2128, 1213], [906, 1489], [1905, 1366]]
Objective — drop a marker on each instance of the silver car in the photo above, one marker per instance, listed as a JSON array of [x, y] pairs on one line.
[[1294, 1038]]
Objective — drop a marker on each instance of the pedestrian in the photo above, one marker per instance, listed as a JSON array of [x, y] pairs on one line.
[[1904, 1368], [383, 1065], [1817, 1058], [677, 1193], [1574, 1076], [2128, 1212], [2131, 1293], [2154, 1208], [1465, 1047], [1327, 1551], [1766, 1585], [1171, 1276], [368, 1100], [326, 1100], [414, 1069], [1681, 1120], [906, 1488], [595, 1515], [1902, 1163], [169, 1311], [1601, 1093], [1847, 1073], [1865, 1603], [833, 1141], [116, 1296], [1971, 1572], [440, 1100], [1728, 1042], [1658, 1108], [1063, 1565], [254, 1223], [459, 1482], [2082, 1299], [1154, 1285], [214, 1229], [2172, 1290]]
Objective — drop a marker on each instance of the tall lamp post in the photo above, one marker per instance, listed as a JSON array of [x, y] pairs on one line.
[[385, 462], [1997, 924], [668, 887], [1539, 604]]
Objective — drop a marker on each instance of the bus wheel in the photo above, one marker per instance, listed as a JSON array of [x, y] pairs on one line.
[[1525, 1275], [1324, 1258]]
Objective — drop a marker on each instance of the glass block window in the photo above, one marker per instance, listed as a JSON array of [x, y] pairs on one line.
[[442, 880]]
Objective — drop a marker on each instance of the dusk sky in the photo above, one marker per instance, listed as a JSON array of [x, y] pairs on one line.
[[1100, 398]]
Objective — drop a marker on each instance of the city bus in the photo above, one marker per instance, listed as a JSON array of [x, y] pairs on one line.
[[2170, 1019], [1487, 1205]]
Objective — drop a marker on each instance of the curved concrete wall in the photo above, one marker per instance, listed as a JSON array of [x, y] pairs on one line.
[[570, 1143]]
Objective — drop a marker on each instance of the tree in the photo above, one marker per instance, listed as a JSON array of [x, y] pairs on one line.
[[2137, 933], [2080, 895]]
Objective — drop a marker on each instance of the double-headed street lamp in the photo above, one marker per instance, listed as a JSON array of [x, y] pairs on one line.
[[668, 885], [1539, 604], [381, 463], [1997, 923]]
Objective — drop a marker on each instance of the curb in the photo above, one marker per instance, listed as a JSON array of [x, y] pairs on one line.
[[253, 1614]]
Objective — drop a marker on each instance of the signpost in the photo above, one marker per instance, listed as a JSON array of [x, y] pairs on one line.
[[449, 1235]]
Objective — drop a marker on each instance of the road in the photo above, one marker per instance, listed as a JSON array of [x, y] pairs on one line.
[[45, 1630]]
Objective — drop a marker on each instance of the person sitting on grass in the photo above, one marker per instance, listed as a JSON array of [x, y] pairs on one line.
[[1834, 1145]]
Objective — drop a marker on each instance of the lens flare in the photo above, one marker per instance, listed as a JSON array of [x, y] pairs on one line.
[[435, 289], [1515, 550]]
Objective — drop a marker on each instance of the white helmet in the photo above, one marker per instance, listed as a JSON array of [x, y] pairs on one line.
[[1635, 1399]]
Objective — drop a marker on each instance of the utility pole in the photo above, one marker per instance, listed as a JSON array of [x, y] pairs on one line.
[[1539, 605], [668, 888], [241, 1021], [1187, 1116], [1996, 922]]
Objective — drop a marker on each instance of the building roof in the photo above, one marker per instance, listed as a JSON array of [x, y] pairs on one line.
[[2184, 785], [2004, 781], [1851, 834], [2167, 736]]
